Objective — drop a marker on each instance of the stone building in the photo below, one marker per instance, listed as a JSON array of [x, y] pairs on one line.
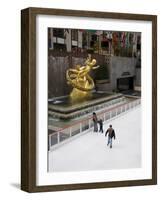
[[117, 53]]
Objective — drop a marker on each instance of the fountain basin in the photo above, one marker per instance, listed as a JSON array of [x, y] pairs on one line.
[[64, 108]]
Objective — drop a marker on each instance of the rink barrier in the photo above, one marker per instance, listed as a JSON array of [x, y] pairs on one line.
[[70, 132]]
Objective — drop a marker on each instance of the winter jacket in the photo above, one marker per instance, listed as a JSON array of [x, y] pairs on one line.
[[111, 133]]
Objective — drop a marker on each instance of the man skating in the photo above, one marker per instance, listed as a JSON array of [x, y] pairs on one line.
[[111, 134]]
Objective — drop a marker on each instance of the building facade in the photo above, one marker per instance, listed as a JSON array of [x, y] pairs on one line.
[[125, 44], [117, 53]]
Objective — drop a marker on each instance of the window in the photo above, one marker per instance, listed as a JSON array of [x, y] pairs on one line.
[[58, 33], [75, 35]]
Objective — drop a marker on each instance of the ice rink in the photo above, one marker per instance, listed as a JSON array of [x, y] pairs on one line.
[[90, 151]]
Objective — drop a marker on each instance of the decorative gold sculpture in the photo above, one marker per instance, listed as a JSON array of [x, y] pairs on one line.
[[80, 79]]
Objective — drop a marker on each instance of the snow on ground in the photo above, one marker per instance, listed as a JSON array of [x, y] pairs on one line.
[[90, 152]]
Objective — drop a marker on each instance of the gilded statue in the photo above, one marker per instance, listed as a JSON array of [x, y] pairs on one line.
[[80, 79]]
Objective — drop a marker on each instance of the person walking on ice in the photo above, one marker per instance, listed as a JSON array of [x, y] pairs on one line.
[[111, 134], [101, 125]]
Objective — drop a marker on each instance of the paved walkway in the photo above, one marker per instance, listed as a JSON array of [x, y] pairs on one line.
[[90, 152]]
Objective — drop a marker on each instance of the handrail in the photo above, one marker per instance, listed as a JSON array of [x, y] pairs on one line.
[[88, 118], [57, 137]]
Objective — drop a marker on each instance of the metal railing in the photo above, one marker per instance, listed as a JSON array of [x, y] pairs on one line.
[[83, 126]]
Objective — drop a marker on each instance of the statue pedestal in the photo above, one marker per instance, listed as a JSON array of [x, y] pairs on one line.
[[79, 95]]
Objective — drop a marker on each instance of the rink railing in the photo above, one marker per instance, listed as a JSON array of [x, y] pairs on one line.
[[67, 133]]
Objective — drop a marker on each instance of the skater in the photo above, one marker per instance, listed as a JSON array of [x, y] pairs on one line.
[[95, 122], [111, 134], [101, 125]]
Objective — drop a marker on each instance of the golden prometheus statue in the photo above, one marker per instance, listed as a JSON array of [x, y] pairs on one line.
[[80, 79]]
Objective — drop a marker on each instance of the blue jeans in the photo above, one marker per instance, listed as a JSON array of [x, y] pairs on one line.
[[109, 141]]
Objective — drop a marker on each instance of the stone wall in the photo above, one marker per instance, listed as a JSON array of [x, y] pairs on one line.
[[138, 77], [57, 85], [58, 65], [120, 66]]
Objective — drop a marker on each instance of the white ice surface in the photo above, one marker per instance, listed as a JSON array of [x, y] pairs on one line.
[[90, 152]]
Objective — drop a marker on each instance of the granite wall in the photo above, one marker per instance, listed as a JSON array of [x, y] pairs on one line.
[[121, 67], [118, 67], [57, 85], [138, 77]]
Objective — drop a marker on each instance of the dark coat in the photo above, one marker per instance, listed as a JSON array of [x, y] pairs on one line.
[[111, 133], [100, 122]]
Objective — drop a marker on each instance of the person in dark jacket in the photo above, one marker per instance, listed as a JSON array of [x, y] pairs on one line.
[[101, 125], [95, 120], [111, 134]]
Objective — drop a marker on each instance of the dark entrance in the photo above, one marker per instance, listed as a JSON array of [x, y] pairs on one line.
[[125, 83]]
